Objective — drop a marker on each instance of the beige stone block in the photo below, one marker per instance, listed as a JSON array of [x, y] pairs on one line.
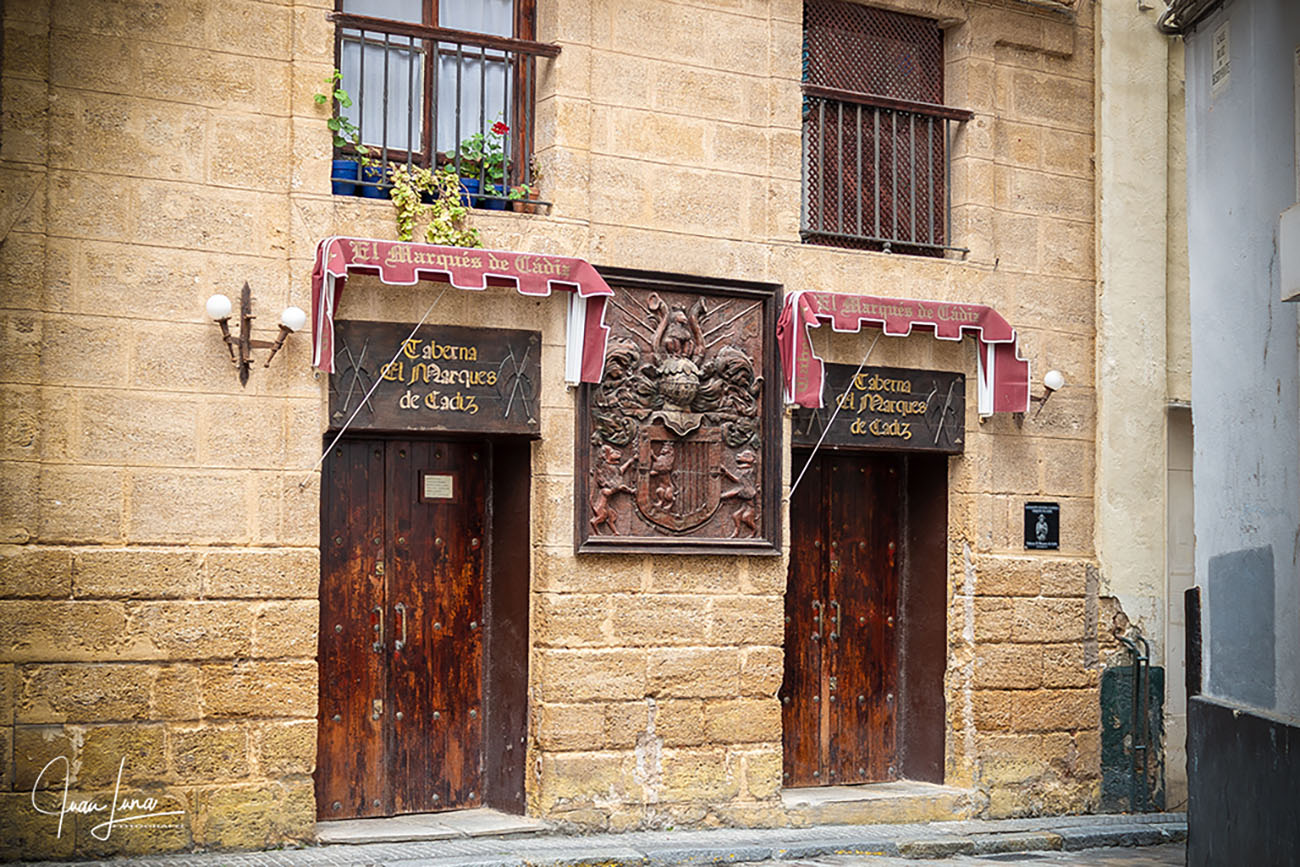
[[138, 19], [259, 689], [19, 491], [135, 573], [299, 509], [1067, 250], [1068, 468], [746, 721], [558, 570], [992, 618], [645, 619], [249, 151], [1068, 152], [79, 503], [1008, 802], [170, 833], [8, 685], [27, 832], [6, 758], [71, 692], [138, 281], [92, 207], [190, 507], [673, 573], [208, 753], [1016, 241], [25, 106], [584, 778], [693, 673], [282, 573], [36, 757], [286, 748], [76, 351], [763, 769], [286, 629], [590, 675], [126, 136], [577, 727], [191, 630], [991, 710], [1006, 759], [1052, 99], [212, 218], [1088, 747], [741, 620], [132, 429], [136, 751], [1066, 665], [257, 816], [1055, 710], [22, 268], [27, 48], [761, 671], [573, 620], [35, 572], [63, 631], [679, 722], [177, 693], [259, 29], [1008, 666], [695, 774], [245, 433], [1050, 195], [1040, 620]]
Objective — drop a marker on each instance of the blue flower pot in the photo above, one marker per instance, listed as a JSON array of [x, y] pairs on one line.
[[343, 178], [471, 185], [374, 174]]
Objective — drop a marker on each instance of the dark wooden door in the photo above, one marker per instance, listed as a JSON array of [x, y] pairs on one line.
[[839, 698], [401, 716]]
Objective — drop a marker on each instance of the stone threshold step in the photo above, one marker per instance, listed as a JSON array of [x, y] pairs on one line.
[[899, 802], [481, 822]]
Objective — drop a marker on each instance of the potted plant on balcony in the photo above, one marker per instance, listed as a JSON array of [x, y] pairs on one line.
[[523, 196], [425, 193], [346, 170], [483, 161]]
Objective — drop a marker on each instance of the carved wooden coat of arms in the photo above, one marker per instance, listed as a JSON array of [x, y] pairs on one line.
[[676, 426]]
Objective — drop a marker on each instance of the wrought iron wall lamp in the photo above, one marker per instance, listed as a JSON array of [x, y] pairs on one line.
[[1053, 381], [220, 308]]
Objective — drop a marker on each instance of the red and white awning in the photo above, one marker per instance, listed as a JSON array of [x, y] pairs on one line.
[[401, 263], [1003, 376]]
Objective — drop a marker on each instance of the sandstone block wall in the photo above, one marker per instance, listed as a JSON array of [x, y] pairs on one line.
[[158, 580]]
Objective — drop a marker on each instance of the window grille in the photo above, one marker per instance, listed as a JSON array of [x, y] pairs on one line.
[[420, 91], [875, 130]]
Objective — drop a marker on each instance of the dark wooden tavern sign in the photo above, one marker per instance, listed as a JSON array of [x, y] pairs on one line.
[[445, 378], [887, 408], [677, 440]]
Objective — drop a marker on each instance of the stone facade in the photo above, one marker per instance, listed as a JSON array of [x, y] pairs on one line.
[[159, 575]]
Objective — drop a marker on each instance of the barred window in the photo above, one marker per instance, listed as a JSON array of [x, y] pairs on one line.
[[875, 130], [437, 82]]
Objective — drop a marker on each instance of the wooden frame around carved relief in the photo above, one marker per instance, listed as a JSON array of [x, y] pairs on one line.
[[679, 446]]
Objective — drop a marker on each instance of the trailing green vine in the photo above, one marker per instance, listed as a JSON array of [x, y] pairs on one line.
[[447, 212]]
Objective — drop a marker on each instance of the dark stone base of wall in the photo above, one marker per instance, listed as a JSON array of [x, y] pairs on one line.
[[1243, 777]]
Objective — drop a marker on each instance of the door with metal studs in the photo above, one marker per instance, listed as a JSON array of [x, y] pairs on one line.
[[839, 697], [402, 555]]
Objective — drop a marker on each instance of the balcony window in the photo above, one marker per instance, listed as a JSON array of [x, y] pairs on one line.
[[428, 76], [875, 130]]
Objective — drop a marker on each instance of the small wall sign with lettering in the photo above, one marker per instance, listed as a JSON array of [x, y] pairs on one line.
[[1042, 526], [887, 408], [444, 378]]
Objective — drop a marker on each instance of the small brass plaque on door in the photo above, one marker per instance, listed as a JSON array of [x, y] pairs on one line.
[[437, 486]]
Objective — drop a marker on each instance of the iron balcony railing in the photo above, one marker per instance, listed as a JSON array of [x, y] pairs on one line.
[[876, 172], [424, 96]]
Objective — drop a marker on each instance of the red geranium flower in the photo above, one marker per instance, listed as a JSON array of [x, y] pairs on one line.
[[500, 128]]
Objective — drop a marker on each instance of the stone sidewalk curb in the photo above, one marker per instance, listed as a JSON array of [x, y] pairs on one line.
[[715, 847]]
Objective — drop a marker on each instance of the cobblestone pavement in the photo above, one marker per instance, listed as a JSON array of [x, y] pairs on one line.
[[1168, 855]]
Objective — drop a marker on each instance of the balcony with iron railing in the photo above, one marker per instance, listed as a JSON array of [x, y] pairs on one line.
[[876, 172], [438, 98]]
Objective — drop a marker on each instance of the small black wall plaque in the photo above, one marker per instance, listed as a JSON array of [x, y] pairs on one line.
[[445, 378], [888, 408], [1042, 526]]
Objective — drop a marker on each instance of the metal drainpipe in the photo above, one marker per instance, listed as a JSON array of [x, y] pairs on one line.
[[1141, 730]]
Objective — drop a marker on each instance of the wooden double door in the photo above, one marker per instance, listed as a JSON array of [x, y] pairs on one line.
[[403, 526], [840, 695]]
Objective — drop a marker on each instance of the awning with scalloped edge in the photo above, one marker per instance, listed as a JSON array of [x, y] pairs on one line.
[[402, 263], [1003, 376]]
